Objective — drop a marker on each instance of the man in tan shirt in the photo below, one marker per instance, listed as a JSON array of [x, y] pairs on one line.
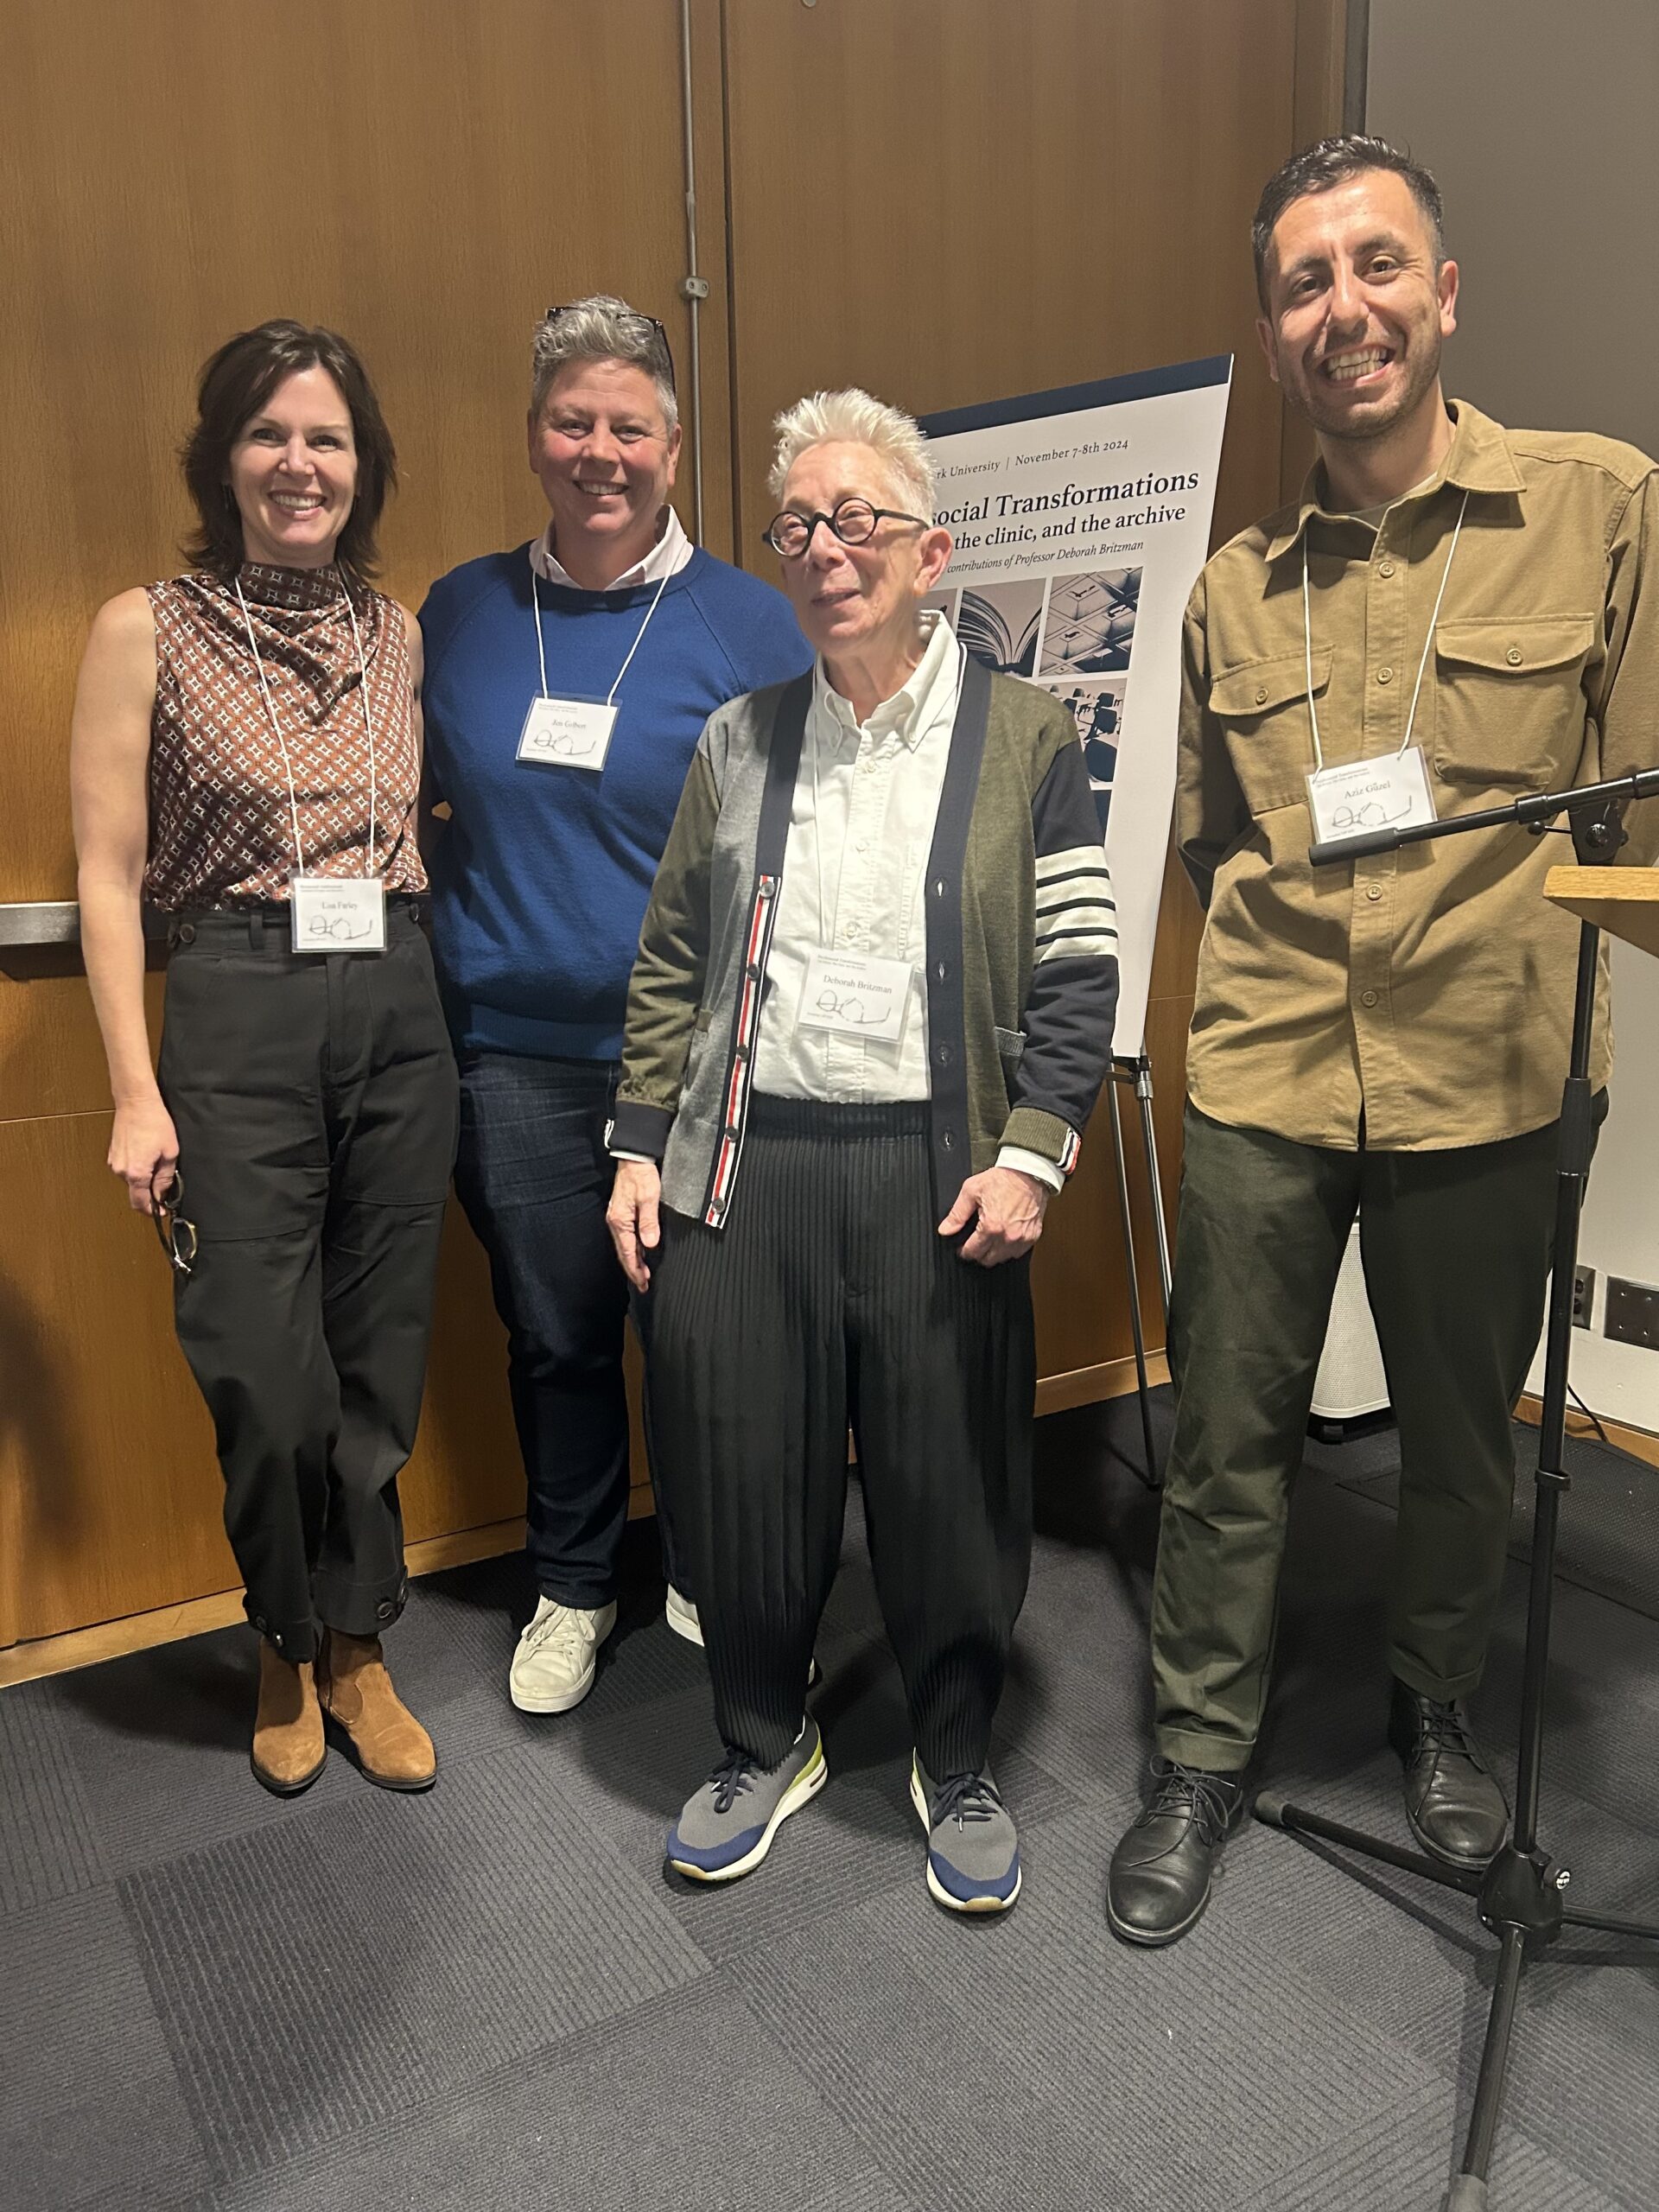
[[1461, 608]]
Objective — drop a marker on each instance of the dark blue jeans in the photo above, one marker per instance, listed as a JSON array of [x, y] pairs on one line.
[[534, 1177]]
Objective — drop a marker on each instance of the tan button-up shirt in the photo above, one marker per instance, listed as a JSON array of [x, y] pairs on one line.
[[1427, 991]]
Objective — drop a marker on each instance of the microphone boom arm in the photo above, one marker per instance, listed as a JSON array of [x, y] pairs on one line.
[[1598, 806]]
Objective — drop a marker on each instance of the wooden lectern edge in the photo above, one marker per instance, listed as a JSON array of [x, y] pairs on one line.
[[1623, 901]]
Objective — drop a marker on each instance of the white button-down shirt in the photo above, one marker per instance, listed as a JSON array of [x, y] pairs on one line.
[[666, 558], [860, 832]]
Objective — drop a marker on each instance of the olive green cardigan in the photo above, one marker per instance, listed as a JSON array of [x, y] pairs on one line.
[[1021, 943]]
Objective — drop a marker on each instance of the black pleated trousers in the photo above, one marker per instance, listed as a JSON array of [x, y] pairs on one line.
[[829, 1298]]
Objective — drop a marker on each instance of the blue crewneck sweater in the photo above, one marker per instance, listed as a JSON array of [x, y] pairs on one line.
[[541, 880]]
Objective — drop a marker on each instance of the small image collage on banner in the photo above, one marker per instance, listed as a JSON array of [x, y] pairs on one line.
[[1071, 635]]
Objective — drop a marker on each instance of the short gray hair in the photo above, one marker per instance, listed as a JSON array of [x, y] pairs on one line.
[[853, 417], [601, 329]]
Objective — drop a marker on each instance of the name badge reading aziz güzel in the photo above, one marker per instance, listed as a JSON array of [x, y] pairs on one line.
[[856, 994], [337, 913], [568, 732], [1386, 793]]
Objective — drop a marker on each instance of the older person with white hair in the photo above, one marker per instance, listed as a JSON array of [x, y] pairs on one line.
[[871, 1013], [567, 682]]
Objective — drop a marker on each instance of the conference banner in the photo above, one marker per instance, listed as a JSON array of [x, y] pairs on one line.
[[1082, 519]]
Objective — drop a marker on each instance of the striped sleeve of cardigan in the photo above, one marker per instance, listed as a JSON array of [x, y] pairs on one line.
[[1073, 995]]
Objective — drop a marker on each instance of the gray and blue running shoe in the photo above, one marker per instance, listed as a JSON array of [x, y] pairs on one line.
[[726, 1828], [973, 1847]]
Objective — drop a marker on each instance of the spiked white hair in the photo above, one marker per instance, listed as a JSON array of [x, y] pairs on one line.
[[853, 417]]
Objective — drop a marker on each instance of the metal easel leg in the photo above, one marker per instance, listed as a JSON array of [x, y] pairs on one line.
[[1149, 1138], [1151, 1477]]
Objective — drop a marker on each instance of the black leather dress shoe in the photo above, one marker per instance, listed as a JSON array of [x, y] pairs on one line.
[[1158, 1883], [1456, 1809]]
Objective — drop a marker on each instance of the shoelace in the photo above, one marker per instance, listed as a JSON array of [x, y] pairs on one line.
[[730, 1779], [1442, 1728], [1208, 1799], [964, 1797], [562, 1625]]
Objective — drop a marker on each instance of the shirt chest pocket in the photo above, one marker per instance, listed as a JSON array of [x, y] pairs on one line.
[[1509, 708], [1261, 706]]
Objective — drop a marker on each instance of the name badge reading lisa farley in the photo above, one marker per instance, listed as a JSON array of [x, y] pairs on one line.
[[1387, 792], [568, 732], [337, 913], [856, 994]]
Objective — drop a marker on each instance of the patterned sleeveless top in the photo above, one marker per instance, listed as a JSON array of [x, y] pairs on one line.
[[221, 833]]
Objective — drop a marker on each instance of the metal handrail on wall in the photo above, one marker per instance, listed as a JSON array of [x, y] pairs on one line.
[[39, 921], [57, 921]]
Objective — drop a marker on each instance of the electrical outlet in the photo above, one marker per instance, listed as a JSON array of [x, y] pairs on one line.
[[1584, 1296], [1632, 1315]]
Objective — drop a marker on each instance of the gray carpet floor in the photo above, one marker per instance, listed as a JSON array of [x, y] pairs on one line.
[[493, 1996]]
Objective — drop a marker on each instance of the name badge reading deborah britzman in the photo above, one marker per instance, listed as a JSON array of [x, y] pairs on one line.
[[856, 994]]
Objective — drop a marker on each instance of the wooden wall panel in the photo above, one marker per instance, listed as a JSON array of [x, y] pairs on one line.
[[921, 198], [947, 201], [51, 1055], [109, 1496], [427, 178]]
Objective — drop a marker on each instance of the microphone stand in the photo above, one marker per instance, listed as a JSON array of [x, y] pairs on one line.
[[1519, 1895]]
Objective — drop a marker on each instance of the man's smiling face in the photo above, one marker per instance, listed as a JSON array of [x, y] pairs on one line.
[[1356, 309]]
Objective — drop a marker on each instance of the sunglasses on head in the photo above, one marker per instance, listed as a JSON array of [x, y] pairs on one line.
[[633, 315]]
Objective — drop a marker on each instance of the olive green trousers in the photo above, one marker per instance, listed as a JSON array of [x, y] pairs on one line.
[[1456, 1246]]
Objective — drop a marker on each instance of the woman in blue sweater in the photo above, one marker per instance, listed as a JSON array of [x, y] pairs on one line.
[[567, 683]]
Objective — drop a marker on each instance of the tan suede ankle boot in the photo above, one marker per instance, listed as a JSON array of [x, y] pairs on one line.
[[288, 1743], [393, 1750]]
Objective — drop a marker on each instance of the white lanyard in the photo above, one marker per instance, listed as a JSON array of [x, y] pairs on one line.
[[276, 727], [817, 831], [541, 649], [1428, 639]]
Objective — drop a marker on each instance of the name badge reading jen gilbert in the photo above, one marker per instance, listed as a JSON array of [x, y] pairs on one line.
[[1388, 793], [856, 994], [568, 732], [337, 913]]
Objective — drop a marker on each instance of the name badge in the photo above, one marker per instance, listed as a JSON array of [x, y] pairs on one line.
[[856, 994], [568, 732], [1386, 793], [337, 913]]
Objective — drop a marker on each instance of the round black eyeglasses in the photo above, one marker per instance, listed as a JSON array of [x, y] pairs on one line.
[[853, 521], [178, 1236]]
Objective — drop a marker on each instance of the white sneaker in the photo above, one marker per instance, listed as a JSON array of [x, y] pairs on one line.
[[682, 1617], [553, 1668]]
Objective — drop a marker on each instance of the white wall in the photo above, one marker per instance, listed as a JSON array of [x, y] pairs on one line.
[[1541, 120]]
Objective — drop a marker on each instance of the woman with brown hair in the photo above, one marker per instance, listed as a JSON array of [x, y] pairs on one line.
[[247, 760]]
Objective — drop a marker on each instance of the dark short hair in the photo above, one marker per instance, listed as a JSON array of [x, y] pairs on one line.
[[1330, 162], [235, 386]]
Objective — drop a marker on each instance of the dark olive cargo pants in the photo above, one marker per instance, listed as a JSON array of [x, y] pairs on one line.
[[1456, 1246]]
